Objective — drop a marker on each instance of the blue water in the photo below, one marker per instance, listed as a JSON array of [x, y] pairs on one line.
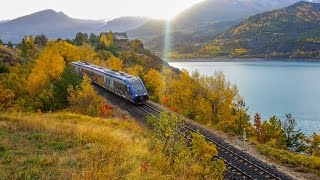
[[272, 88]]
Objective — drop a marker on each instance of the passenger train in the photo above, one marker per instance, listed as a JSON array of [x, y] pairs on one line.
[[124, 85]]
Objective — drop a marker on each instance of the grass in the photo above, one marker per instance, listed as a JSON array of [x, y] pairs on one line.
[[65, 145], [300, 162]]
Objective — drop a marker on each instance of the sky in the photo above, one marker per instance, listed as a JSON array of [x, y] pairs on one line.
[[96, 9]]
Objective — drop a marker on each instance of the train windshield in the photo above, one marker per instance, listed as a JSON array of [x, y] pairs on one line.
[[137, 86]]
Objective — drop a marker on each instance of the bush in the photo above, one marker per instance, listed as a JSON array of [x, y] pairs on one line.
[[311, 163], [84, 99]]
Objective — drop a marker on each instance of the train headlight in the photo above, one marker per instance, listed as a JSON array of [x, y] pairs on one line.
[[136, 94], [144, 93]]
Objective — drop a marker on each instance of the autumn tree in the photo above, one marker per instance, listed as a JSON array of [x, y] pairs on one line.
[[136, 70], [198, 158], [294, 138], [257, 124], [84, 99], [48, 66], [204, 152], [272, 133], [314, 148], [6, 98], [221, 95], [154, 82], [114, 63]]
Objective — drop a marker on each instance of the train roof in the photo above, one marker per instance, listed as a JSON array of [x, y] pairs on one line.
[[118, 74]]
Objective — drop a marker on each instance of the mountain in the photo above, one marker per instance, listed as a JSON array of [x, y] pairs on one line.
[[124, 23], [58, 25], [49, 22], [293, 31], [202, 21], [3, 21]]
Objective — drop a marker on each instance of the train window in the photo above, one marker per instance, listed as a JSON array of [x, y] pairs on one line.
[[137, 86]]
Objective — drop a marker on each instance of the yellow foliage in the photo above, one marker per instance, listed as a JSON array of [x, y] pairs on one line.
[[68, 51], [114, 63], [135, 70], [155, 84], [241, 51], [84, 99], [49, 66], [6, 98], [107, 41], [87, 53]]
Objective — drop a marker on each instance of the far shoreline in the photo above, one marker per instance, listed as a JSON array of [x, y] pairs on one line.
[[243, 60]]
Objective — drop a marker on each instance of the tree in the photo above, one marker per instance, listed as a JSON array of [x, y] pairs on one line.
[[314, 148], [105, 41], [204, 153], [271, 132], [80, 39], [1, 42], [136, 70], [10, 45], [84, 99], [27, 47], [114, 63], [242, 118], [69, 77], [93, 39], [41, 40], [155, 85], [257, 124], [294, 139], [48, 67], [6, 98]]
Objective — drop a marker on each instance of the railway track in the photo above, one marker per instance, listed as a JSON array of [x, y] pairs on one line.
[[240, 165]]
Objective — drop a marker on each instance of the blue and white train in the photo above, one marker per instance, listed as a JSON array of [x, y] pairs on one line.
[[124, 85]]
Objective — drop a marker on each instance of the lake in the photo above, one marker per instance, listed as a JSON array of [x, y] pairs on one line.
[[272, 87]]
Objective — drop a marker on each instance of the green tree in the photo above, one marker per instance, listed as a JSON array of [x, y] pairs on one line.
[[80, 39], [294, 138], [41, 40], [10, 45], [69, 77]]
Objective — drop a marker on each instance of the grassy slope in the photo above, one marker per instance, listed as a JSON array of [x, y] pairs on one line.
[[63, 146]]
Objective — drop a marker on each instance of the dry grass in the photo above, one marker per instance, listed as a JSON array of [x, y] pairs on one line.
[[65, 145]]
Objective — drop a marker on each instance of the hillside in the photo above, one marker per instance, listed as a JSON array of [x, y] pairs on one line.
[[9, 56], [198, 24], [289, 32], [72, 146]]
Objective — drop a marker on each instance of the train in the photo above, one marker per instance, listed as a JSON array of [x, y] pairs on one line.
[[120, 83]]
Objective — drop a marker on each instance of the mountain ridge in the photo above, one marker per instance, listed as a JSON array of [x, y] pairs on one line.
[[288, 32]]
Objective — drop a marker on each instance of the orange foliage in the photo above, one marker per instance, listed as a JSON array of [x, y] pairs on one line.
[[105, 110]]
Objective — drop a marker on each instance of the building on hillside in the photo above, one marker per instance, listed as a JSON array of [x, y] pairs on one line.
[[117, 36]]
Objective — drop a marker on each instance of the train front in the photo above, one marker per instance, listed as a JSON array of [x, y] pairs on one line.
[[139, 92]]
